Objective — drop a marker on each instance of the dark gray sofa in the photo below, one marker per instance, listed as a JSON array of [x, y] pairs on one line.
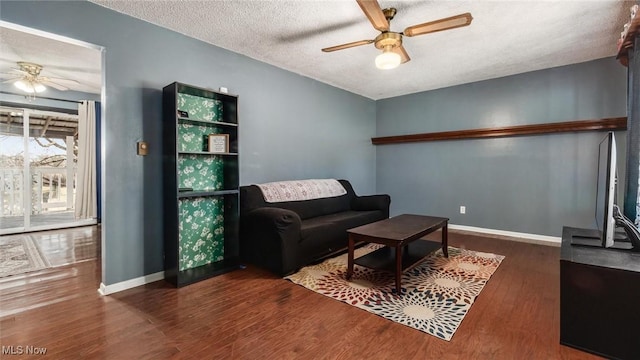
[[285, 236]]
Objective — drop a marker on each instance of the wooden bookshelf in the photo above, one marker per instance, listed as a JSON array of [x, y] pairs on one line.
[[201, 197]]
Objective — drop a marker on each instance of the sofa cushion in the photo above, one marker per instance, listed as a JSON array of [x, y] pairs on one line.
[[325, 234], [343, 221]]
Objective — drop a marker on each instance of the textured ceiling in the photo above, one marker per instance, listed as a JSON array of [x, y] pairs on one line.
[[505, 37], [59, 59]]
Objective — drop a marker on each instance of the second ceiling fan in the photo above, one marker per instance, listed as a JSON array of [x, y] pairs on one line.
[[393, 53]]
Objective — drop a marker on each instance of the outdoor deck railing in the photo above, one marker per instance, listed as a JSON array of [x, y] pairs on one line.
[[49, 190]]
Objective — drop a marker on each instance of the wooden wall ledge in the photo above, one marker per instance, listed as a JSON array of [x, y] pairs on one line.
[[609, 124]]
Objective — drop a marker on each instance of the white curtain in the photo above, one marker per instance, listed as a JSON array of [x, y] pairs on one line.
[[86, 193]]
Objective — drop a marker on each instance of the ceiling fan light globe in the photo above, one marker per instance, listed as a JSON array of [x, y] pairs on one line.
[[24, 86], [388, 60], [39, 87]]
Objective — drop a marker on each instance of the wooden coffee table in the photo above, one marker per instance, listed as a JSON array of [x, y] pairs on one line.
[[397, 232]]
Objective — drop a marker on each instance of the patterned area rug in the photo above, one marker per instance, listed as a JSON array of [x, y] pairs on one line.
[[18, 255], [436, 294]]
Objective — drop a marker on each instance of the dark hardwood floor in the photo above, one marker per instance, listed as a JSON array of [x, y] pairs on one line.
[[67, 246], [251, 314]]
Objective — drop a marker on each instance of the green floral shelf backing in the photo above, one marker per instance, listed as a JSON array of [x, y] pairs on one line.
[[195, 138], [201, 172], [201, 224], [200, 108]]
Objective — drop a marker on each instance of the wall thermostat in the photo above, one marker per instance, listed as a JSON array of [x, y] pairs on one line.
[[143, 148]]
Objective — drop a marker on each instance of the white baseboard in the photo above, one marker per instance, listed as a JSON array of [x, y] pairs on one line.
[[128, 284], [512, 235]]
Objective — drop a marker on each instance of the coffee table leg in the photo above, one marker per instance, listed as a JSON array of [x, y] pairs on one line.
[[350, 258], [445, 241], [398, 269]]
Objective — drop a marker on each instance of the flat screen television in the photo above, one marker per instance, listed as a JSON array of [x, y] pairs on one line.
[[606, 190], [607, 214], [605, 198]]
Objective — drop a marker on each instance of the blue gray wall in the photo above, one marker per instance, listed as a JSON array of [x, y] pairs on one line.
[[291, 127], [532, 184]]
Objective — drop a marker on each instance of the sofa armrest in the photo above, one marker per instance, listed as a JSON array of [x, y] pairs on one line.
[[372, 202], [269, 237]]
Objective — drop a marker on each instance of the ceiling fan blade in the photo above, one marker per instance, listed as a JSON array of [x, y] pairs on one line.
[[48, 78], [9, 75], [439, 25], [402, 52], [374, 13], [19, 71], [347, 45], [10, 80], [54, 85]]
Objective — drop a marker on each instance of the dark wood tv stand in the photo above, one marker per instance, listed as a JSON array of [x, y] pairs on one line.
[[599, 298]]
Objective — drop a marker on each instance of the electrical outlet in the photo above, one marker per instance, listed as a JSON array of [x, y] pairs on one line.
[[463, 209]]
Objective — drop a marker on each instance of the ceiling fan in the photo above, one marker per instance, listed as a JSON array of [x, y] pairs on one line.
[[28, 79], [393, 53]]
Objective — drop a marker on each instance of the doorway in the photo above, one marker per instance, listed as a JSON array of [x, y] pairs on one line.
[[39, 152]]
